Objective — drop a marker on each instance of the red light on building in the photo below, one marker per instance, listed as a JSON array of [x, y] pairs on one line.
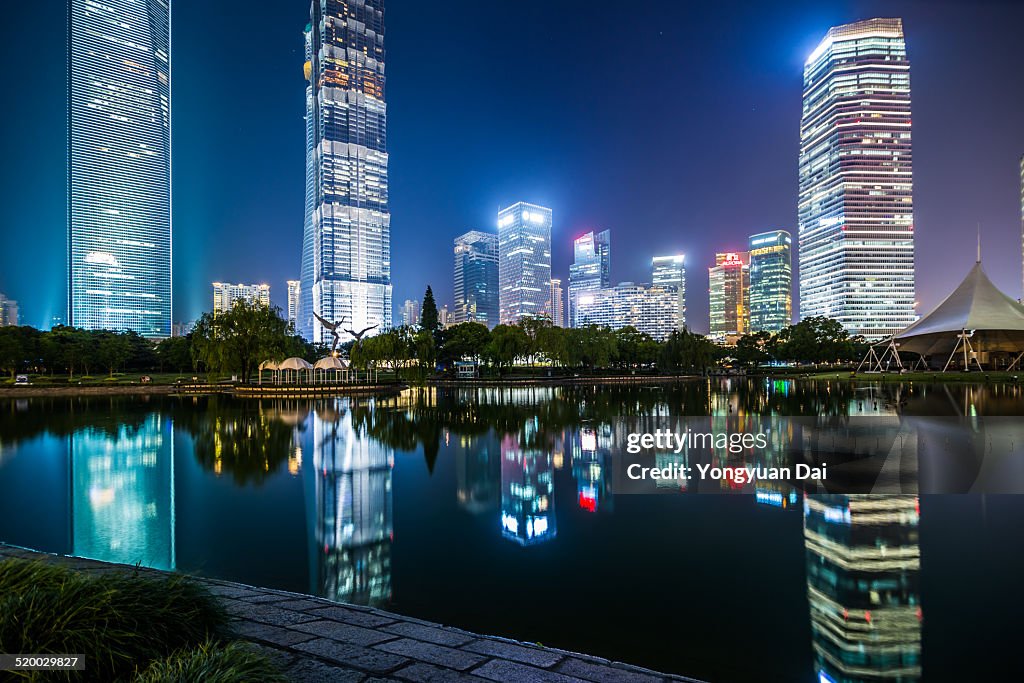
[[588, 503]]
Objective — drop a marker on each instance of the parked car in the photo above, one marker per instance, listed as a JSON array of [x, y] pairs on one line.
[[21, 381]]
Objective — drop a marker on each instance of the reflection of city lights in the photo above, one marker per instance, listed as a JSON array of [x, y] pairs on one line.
[[588, 440], [588, 500]]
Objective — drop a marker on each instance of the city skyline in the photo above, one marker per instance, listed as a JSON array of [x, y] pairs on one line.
[[988, 185]]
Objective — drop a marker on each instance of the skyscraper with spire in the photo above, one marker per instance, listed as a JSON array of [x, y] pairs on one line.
[[856, 208], [346, 248]]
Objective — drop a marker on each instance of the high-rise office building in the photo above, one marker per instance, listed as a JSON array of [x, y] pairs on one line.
[[670, 271], [652, 310], [1022, 223], [856, 210], [225, 295], [445, 319], [524, 262], [119, 166], [557, 304], [591, 268], [771, 281], [863, 586], [476, 278], [346, 250], [728, 292], [8, 311], [411, 312], [294, 292]]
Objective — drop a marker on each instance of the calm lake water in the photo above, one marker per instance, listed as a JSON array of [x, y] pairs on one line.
[[495, 510]]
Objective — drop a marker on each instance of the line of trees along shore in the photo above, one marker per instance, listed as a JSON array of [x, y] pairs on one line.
[[237, 341]]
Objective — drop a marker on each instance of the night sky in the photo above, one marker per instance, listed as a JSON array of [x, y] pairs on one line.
[[674, 124]]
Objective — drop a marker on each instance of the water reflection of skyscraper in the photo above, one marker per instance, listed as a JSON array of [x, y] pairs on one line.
[[123, 493], [478, 473], [591, 467], [527, 492], [863, 569], [353, 509]]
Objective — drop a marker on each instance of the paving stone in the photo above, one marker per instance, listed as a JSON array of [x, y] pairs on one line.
[[366, 659], [271, 634], [228, 591], [351, 616], [520, 653], [435, 654], [346, 633], [428, 673], [298, 605], [282, 658], [431, 634], [265, 597], [267, 614], [505, 671], [312, 671], [601, 673]]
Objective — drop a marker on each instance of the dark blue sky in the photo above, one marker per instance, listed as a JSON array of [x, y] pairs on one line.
[[673, 123]]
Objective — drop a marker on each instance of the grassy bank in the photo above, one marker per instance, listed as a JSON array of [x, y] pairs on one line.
[[128, 625]]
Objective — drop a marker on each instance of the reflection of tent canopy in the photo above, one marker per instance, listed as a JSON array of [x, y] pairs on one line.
[[976, 317]]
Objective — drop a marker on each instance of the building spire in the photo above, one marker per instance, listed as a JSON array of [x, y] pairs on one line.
[[979, 242]]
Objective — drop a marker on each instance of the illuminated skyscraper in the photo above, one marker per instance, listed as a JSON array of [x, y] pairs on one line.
[[1022, 219], [524, 262], [652, 310], [294, 291], [119, 166], [863, 586], [591, 268], [8, 311], [225, 295], [346, 250], [771, 281], [728, 289], [411, 312], [856, 207], [476, 278], [670, 271], [557, 305]]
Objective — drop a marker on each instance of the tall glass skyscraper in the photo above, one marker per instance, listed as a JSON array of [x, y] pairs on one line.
[[524, 262], [771, 281], [591, 268], [476, 278], [119, 166], [856, 207], [346, 248], [728, 296], [670, 271]]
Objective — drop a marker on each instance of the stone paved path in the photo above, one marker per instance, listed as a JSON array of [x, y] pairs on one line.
[[316, 640]]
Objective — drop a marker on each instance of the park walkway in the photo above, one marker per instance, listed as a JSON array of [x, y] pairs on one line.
[[317, 640]]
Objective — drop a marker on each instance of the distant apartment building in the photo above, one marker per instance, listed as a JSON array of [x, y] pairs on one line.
[[670, 271], [411, 312], [524, 262], [294, 293], [444, 317], [8, 311], [557, 305], [591, 268], [225, 295], [182, 329], [728, 291], [476, 278], [771, 281], [653, 310]]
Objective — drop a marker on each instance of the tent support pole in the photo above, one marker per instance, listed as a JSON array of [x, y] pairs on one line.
[[1015, 362]]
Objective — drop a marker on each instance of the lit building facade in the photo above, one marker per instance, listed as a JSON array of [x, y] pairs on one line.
[[591, 268], [557, 304], [411, 313], [119, 166], [476, 278], [863, 586], [8, 311], [728, 292], [771, 281], [346, 250], [856, 210], [226, 294], [524, 262], [294, 292], [1022, 222], [670, 271], [651, 310], [527, 493]]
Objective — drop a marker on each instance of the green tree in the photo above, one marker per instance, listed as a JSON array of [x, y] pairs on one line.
[[112, 349], [429, 319], [465, 340], [753, 349], [508, 342], [238, 340], [175, 353]]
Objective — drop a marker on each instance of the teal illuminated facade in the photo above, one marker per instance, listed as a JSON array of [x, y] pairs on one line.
[[119, 166], [346, 248], [476, 278], [771, 281]]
